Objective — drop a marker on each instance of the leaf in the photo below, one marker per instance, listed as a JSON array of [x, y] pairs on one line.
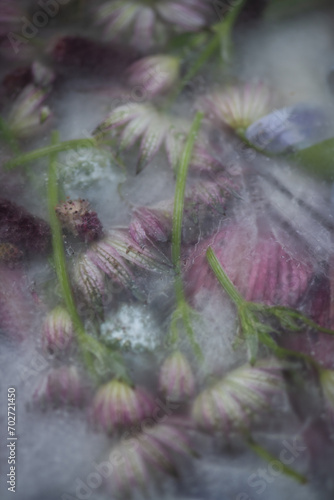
[[317, 159]]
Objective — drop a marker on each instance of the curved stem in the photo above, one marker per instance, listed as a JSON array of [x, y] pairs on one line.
[[223, 279], [59, 147], [92, 350], [268, 457]]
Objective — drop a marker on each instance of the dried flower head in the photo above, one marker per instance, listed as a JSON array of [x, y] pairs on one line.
[[229, 404], [156, 74], [116, 405], [239, 107], [77, 218], [146, 454], [27, 114], [58, 330], [88, 279], [134, 121], [61, 386], [108, 260], [176, 377]]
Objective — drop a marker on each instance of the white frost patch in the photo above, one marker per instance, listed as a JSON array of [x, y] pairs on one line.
[[132, 327]]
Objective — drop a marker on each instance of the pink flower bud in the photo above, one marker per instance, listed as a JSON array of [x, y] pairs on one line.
[[88, 279], [229, 404], [116, 405], [58, 331], [150, 225], [27, 114], [156, 74], [60, 387], [176, 378], [146, 455]]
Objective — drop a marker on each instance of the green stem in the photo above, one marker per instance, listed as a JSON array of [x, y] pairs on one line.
[[268, 457], [90, 348], [36, 154], [182, 310], [223, 279], [181, 180], [8, 136], [301, 317], [222, 33]]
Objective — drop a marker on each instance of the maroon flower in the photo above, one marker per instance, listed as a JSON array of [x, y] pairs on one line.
[[22, 229], [77, 217]]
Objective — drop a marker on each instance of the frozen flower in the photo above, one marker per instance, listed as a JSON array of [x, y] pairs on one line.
[[239, 107], [135, 121], [143, 19], [260, 267], [208, 193], [150, 225], [28, 114], [146, 454], [156, 74], [176, 378], [77, 217], [116, 405], [58, 331], [59, 387], [203, 161], [142, 256], [108, 260], [22, 229], [229, 404], [88, 279]]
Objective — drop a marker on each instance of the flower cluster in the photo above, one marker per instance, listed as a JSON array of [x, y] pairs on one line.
[[77, 218]]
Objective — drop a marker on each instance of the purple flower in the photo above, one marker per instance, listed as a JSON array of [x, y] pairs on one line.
[[61, 386], [261, 268], [116, 405], [142, 121], [156, 74], [239, 107], [145, 456], [58, 331], [142, 256], [229, 404], [27, 114], [176, 378], [150, 225], [88, 279]]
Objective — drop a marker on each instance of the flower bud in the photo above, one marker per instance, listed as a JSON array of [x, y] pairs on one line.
[[116, 405], [229, 404], [176, 378], [88, 279], [60, 387], [145, 455], [156, 74], [58, 331], [149, 224], [27, 114]]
